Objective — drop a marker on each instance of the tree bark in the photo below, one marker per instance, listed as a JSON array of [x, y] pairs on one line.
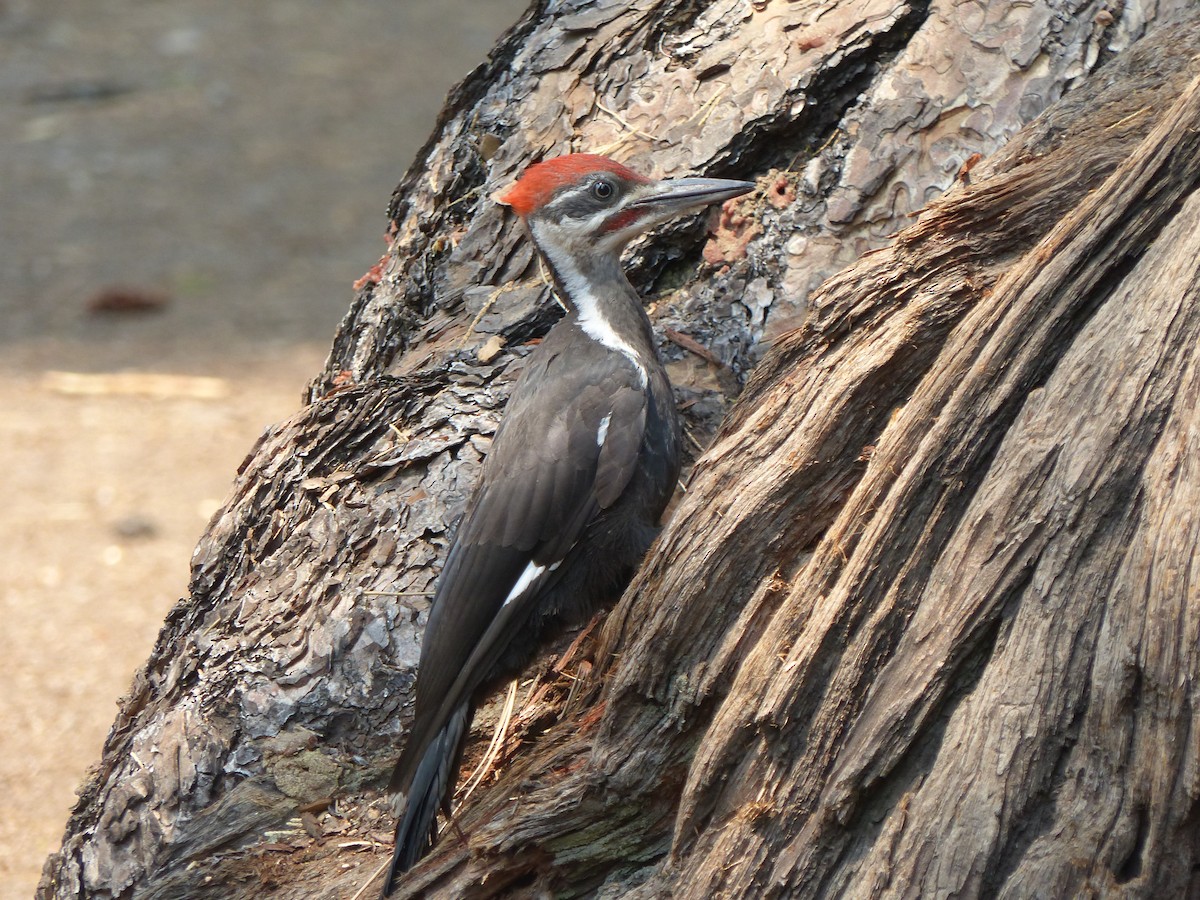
[[923, 621]]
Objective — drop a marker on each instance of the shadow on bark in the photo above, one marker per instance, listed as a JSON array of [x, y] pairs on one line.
[[923, 620]]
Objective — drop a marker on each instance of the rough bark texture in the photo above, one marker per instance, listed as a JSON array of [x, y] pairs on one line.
[[924, 620]]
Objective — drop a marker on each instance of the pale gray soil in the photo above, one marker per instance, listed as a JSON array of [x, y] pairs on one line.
[[234, 159]]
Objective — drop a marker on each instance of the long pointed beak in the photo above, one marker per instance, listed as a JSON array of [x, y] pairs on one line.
[[680, 194]]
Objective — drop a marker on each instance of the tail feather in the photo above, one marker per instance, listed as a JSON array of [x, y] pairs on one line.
[[430, 790]]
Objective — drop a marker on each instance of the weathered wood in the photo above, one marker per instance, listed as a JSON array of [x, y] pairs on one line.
[[903, 631], [903, 711], [964, 580]]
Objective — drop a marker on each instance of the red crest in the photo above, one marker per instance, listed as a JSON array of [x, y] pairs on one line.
[[539, 182]]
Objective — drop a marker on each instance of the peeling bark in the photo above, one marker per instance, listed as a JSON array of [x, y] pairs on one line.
[[923, 620]]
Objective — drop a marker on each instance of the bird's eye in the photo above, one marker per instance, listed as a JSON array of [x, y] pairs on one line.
[[602, 190]]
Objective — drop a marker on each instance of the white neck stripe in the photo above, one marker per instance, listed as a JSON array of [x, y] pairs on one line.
[[587, 308]]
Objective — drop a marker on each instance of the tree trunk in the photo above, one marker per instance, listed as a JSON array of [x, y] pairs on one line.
[[924, 620]]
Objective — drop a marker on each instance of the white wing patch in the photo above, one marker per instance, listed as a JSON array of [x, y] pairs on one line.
[[528, 578], [603, 432]]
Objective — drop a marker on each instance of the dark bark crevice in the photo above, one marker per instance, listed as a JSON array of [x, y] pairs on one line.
[[908, 536]]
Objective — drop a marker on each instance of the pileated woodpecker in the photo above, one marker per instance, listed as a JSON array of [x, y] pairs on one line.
[[578, 474]]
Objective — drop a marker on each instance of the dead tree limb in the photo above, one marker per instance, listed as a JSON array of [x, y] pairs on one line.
[[922, 621]]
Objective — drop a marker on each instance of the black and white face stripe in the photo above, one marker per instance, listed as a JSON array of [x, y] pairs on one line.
[[592, 200]]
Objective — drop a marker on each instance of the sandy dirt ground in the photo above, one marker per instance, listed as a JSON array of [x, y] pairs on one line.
[[228, 165]]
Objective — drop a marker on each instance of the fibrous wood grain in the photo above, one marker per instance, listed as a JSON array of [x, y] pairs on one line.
[[794, 606], [898, 677]]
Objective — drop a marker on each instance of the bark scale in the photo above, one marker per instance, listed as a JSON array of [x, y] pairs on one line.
[[923, 620]]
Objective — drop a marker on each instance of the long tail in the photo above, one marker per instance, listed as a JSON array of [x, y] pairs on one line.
[[429, 791]]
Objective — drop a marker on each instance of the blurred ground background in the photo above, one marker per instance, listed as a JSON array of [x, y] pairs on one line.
[[227, 164]]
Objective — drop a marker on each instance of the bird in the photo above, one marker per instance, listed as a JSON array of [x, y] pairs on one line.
[[580, 470]]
